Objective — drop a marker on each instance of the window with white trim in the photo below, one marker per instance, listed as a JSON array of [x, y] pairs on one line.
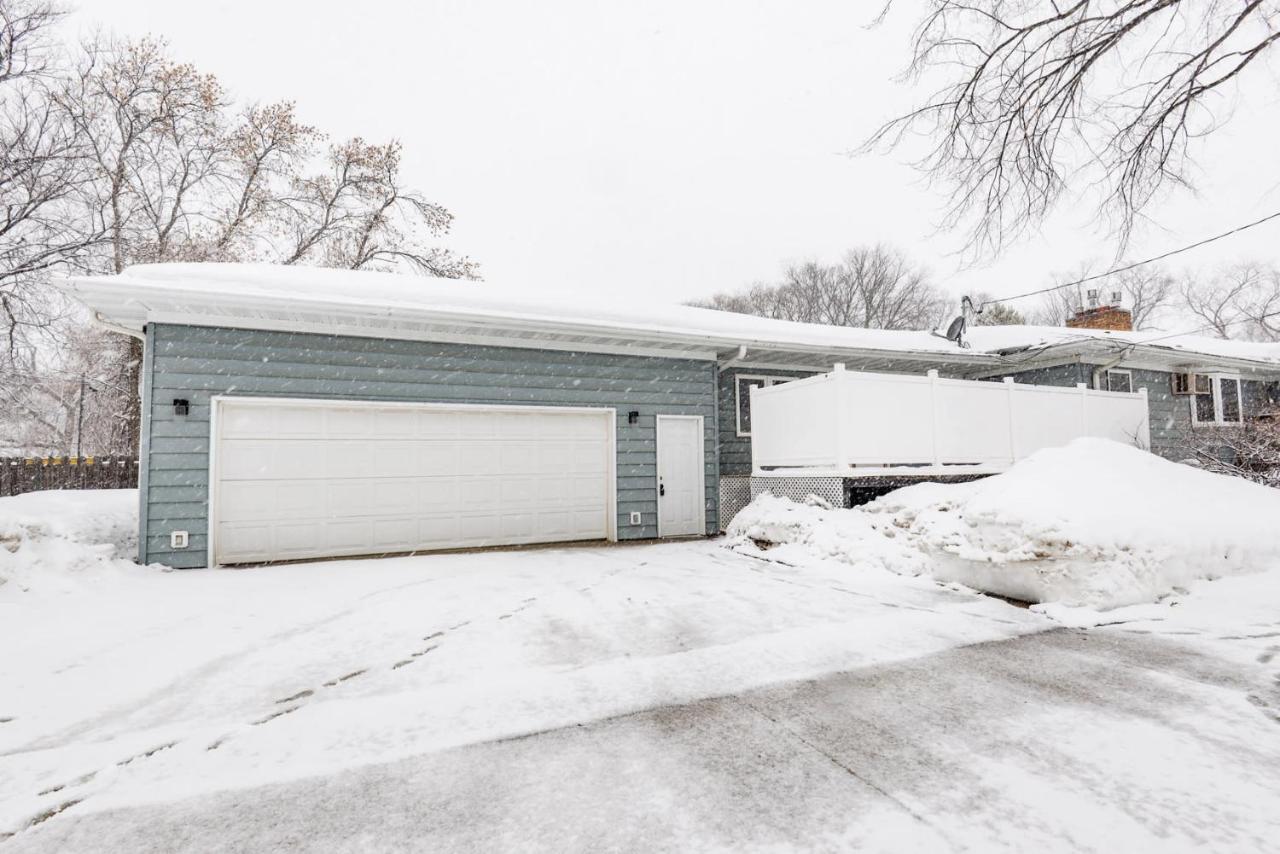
[[1218, 399], [743, 384], [1119, 380]]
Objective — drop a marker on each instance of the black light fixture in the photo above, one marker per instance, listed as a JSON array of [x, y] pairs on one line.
[[180, 406], [633, 417]]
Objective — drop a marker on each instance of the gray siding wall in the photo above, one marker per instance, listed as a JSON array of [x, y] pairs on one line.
[[735, 450], [1171, 426], [196, 363]]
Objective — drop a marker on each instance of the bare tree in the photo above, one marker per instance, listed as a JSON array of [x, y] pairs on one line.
[[42, 170], [1240, 301], [996, 313], [266, 149], [1147, 292], [62, 393], [871, 287], [124, 155], [1102, 93], [1250, 450], [359, 215], [25, 45]]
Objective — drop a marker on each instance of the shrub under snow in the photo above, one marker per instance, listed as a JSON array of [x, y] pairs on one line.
[[1095, 523], [59, 539]]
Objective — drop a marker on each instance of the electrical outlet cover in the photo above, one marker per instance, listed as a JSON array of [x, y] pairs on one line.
[[178, 539], [635, 518]]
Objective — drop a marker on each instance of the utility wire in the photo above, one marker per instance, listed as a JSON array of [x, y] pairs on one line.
[[1214, 326], [1030, 353], [1161, 257]]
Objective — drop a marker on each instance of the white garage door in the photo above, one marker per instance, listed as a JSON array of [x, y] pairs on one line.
[[305, 479]]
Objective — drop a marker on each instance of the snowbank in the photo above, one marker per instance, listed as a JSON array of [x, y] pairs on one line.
[[62, 539], [1093, 524]]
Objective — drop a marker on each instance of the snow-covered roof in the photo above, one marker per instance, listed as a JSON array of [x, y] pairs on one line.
[[1187, 347], [311, 299]]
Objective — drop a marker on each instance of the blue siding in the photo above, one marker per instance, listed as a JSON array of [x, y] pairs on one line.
[[197, 363]]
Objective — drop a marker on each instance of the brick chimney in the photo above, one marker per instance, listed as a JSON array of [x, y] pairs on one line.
[[1110, 316]]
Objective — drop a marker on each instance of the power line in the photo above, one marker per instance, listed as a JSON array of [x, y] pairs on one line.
[[1161, 257], [1215, 326], [1030, 353]]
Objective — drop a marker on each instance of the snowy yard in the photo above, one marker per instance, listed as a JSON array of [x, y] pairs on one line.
[[680, 696]]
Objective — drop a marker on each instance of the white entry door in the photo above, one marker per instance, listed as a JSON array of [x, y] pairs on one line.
[[681, 496], [299, 479]]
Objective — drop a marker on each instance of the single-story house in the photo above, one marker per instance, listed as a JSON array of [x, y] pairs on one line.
[[295, 413]]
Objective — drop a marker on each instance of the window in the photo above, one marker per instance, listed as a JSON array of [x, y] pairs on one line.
[[1119, 381], [1229, 392], [1217, 400], [744, 385]]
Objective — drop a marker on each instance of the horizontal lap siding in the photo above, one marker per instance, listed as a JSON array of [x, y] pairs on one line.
[[196, 363]]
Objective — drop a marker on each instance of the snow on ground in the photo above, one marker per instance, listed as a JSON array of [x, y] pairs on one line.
[[411, 702], [65, 539], [1093, 525], [162, 685]]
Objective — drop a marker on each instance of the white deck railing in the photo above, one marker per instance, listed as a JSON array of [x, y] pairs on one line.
[[852, 422]]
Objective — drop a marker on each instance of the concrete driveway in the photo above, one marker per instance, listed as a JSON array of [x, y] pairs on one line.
[[670, 697]]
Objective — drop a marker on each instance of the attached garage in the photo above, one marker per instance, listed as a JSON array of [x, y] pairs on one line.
[[294, 479]]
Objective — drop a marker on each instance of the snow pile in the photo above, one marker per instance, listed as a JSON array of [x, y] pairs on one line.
[[1093, 524], [790, 531], [61, 539]]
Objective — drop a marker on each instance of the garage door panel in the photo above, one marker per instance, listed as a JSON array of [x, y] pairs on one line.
[[436, 458], [352, 422], [246, 542], [391, 496], [298, 539], [392, 458], [521, 491], [477, 457], [589, 458], [439, 529], [396, 423], [338, 458], [395, 534], [435, 424], [437, 494], [300, 479], [476, 425]]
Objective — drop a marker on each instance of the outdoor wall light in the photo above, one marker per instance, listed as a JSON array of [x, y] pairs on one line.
[[633, 417], [180, 407]]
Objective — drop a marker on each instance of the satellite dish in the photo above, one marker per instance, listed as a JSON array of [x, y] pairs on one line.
[[956, 329]]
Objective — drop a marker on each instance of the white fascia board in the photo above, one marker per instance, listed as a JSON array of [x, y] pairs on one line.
[[118, 298], [620, 348], [119, 301]]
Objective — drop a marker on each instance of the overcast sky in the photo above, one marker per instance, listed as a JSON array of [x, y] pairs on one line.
[[668, 148]]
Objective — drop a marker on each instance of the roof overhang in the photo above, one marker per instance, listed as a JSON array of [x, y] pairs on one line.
[[125, 305], [1130, 355]]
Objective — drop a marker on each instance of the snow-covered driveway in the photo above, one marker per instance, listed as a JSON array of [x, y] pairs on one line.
[[673, 696]]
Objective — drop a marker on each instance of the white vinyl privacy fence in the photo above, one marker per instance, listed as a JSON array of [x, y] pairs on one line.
[[846, 420]]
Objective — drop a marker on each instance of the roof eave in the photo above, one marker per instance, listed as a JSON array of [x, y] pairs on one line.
[[140, 313]]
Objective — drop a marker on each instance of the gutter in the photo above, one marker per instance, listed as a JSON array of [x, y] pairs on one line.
[[126, 291], [722, 364], [1141, 356], [1101, 370], [100, 321]]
